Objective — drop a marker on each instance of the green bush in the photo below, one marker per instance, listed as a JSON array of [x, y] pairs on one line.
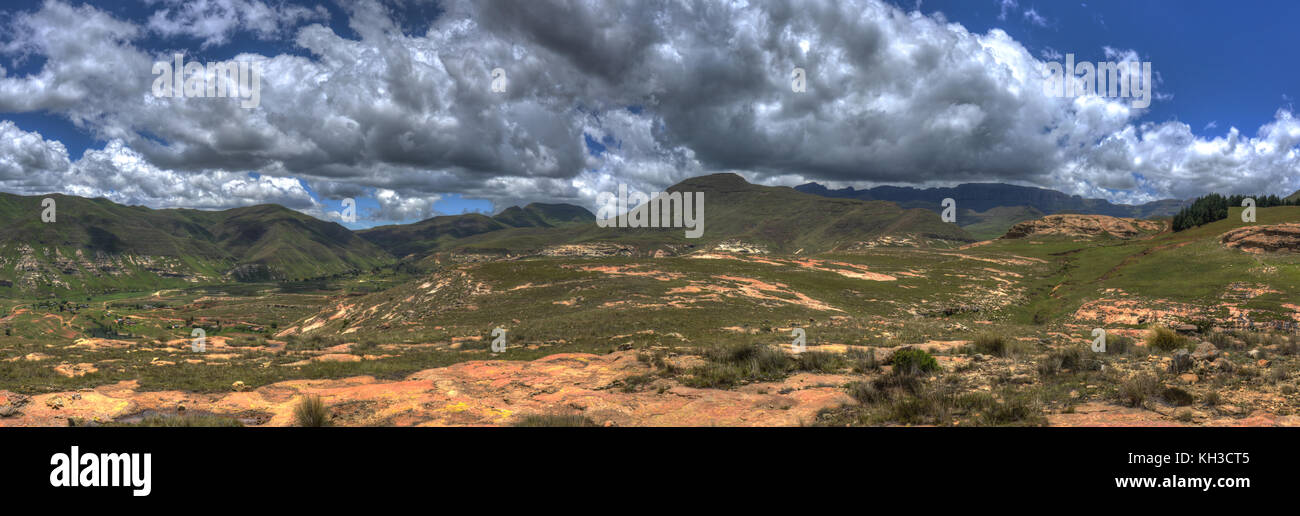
[[912, 361], [1165, 339]]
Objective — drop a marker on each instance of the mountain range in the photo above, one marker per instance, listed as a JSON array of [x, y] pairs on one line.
[[101, 246], [989, 209]]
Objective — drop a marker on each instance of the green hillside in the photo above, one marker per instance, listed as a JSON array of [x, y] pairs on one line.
[[544, 215], [995, 222], [95, 245], [1189, 270], [779, 219]]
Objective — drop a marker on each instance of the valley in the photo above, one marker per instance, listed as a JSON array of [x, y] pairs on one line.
[[907, 321]]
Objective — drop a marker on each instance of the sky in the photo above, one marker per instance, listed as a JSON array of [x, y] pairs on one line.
[[392, 103]]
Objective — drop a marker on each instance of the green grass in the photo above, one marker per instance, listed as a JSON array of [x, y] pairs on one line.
[[1165, 339]]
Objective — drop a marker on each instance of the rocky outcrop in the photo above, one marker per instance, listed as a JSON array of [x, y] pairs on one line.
[[1086, 226], [589, 250], [475, 393], [1264, 239]]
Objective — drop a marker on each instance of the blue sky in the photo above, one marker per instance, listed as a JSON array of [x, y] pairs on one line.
[[617, 114], [416, 17], [1223, 62]]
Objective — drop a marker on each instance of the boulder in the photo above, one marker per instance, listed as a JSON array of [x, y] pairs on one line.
[[1205, 351]]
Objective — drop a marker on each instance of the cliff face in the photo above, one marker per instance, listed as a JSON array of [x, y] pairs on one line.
[[1264, 239], [1085, 226]]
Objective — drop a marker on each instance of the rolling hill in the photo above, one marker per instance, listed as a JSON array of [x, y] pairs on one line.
[[99, 245], [737, 213], [987, 210]]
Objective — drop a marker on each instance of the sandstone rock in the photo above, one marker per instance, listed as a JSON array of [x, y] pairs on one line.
[[1205, 351], [1084, 226], [1264, 239], [1188, 378]]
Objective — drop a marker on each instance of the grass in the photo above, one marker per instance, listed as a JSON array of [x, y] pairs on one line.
[[1136, 390], [880, 404], [310, 411], [1072, 358], [182, 420], [1164, 339], [553, 420], [737, 364]]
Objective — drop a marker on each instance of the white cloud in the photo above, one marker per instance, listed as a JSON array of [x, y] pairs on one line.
[[893, 97], [1033, 17], [214, 22], [1006, 6]]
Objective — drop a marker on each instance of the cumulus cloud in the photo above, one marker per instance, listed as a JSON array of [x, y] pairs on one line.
[[667, 90]]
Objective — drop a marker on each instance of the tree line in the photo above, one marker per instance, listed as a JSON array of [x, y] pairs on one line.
[[1210, 208]]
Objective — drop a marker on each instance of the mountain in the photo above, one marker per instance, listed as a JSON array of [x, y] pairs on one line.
[[544, 215], [1293, 197], [736, 212], [404, 239], [985, 196], [99, 245], [784, 219], [442, 231]]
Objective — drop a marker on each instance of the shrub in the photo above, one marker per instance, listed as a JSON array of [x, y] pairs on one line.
[[1137, 389], [1165, 339], [310, 411], [736, 364], [1212, 398], [820, 362], [1120, 345], [1177, 397], [912, 361], [863, 361], [866, 392], [989, 344], [1073, 358], [1278, 373], [1015, 408]]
